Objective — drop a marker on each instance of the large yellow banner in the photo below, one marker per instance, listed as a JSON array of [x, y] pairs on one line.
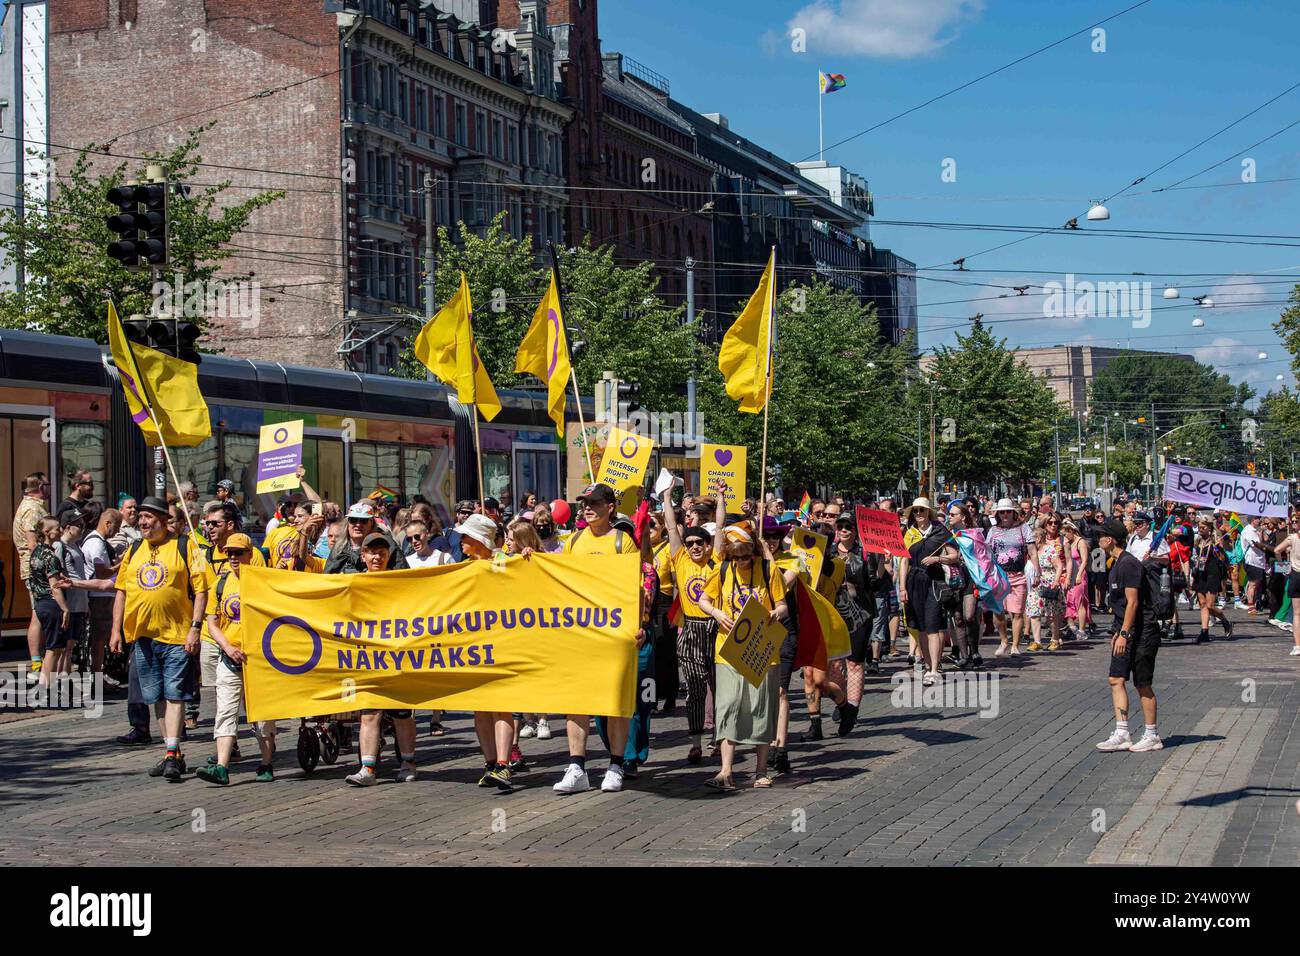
[[551, 634]]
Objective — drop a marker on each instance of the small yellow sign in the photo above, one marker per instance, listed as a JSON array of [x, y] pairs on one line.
[[810, 548], [624, 462], [728, 463], [753, 644]]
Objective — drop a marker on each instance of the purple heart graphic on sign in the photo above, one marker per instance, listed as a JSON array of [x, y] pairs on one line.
[[809, 541], [722, 456]]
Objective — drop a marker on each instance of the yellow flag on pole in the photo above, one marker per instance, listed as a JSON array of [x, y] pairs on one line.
[[745, 358], [544, 352], [446, 347], [169, 386]]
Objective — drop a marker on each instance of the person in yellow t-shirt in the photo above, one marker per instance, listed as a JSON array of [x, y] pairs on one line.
[[221, 519], [159, 611], [599, 506], [227, 634], [692, 556], [745, 714]]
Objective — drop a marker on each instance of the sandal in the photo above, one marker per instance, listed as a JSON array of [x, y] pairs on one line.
[[435, 730], [762, 783], [717, 783], [695, 756]]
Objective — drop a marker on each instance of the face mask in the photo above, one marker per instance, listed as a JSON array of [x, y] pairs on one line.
[[544, 531]]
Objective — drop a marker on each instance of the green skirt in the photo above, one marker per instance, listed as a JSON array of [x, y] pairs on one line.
[[743, 713]]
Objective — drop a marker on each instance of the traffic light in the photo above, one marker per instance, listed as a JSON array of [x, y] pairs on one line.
[[140, 223], [124, 224], [1250, 468], [1223, 421], [628, 392], [178, 339]]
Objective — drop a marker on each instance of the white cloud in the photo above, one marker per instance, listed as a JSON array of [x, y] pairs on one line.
[[1221, 351], [897, 29]]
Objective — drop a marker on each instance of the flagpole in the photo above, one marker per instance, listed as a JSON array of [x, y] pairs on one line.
[[148, 407], [767, 375], [478, 451], [820, 96], [573, 374]]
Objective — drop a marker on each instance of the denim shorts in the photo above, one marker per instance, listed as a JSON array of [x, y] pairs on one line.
[[165, 671]]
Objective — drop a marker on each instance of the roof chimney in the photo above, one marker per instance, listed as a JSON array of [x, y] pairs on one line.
[[719, 118]]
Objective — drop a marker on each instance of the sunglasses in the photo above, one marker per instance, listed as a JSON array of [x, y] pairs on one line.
[[209, 522], [415, 536], [236, 553], [359, 520]]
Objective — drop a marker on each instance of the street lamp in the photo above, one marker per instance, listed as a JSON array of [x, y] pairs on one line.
[[1170, 292], [1098, 212]]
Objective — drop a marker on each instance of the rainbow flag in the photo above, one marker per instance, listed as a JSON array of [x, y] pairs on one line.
[[383, 493], [805, 506], [1235, 523], [830, 82]]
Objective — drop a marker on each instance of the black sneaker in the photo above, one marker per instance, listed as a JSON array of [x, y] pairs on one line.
[[848, 717], [171, 768], [1203, 637], [815, 730], [780, 760], [135, 738], [976, 661], [873, 669], [631, 771]]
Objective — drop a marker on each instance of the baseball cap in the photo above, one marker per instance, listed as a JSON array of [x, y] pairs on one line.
[[1142, 516], [601, 492], [465, 504], [226, 484], [239, 541], [360, 511], [492, 503], [374, 538], [1113, 528]]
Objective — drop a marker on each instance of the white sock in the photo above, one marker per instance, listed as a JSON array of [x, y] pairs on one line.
[[1150, 730], [1121, 727]]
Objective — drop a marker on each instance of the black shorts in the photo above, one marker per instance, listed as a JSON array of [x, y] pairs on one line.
[[1138, 663], [788, 648], [1293, 584], [1254, 574], [50, 617]]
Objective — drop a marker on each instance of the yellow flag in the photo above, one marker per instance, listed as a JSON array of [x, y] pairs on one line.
[[746, 353], [170, 386], [446, 347], [544, 352]]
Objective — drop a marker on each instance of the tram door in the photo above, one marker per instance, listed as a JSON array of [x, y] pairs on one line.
[[24, 450]]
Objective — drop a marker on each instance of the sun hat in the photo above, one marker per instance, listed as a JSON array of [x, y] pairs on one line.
[[1005, 504], [918, 503], [481, 528]]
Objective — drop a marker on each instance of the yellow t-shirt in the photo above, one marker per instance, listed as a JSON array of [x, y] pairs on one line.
[[157, 585], [729, 595], [585, 542], [212, 568], [691, 579], [279, 545], [226, 610], [664, 567]]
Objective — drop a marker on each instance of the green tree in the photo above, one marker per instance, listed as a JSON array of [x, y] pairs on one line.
[[993, 415], [1277, 432], [838, 408], [1288, 327], [68, 276]]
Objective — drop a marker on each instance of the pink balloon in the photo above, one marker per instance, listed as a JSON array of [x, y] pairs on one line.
[[560, 511]]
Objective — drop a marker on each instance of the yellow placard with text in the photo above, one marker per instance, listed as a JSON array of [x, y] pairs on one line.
[[727, 462], [554, 633], [279, 453], [754, 642], [809, 548], [625, 459]]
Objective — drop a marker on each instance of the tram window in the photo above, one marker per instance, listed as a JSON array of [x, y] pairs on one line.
[[240, 467], [374, 464], [537, 471], [198, 465], [427, 471], [496, 475], [82, 446]]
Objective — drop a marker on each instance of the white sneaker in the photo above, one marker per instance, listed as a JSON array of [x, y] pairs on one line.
[[1119, 740], [1239, 606], [613, 781], [527, 731], [1147, 742], [999, 652], [405, 773], [365, 777], [1284, 626], [575, 781], [1295, 652], [543, 729], [1014, 652]]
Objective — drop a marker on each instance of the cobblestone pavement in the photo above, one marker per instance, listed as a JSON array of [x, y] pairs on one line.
[[911, 785]]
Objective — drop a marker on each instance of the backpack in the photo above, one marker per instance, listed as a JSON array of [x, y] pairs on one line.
[[1162, 595], [182, 546]]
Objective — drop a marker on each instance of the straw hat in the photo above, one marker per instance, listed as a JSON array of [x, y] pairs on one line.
[[918, 503]]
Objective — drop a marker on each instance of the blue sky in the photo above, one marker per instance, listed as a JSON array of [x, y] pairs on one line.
[[1033, 146]]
